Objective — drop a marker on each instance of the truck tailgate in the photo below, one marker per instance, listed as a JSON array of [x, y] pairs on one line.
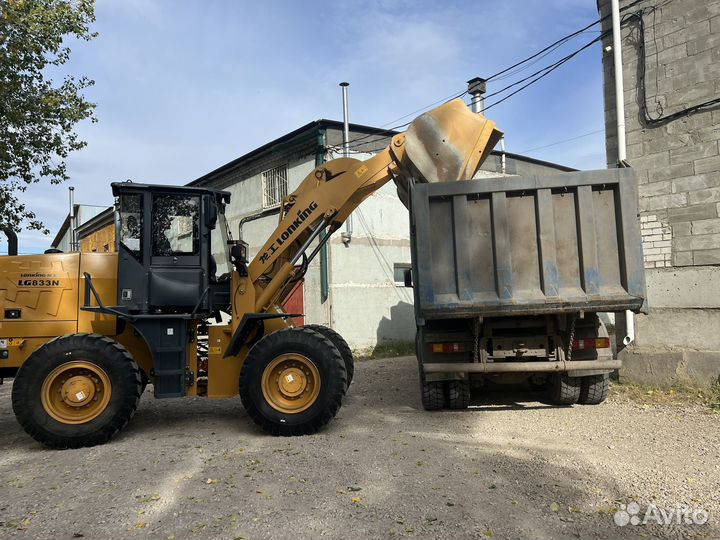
[[527, 245]]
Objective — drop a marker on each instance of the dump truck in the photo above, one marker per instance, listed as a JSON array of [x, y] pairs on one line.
[[510, 275], [83, 333]]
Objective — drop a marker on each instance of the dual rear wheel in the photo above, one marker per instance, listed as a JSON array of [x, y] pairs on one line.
[[562, 390], [587, 390]]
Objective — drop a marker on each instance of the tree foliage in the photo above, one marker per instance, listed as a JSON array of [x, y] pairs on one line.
[[37, 114]]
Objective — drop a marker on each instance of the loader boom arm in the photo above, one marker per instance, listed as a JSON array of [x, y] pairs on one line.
[[448, 143]]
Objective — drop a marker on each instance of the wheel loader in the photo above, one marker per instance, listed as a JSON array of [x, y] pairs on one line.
[[83, 333]]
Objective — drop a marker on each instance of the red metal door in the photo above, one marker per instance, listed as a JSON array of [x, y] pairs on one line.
[[295, 303]]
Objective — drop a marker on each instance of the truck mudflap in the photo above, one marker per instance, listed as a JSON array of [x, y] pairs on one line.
[[572, 367]]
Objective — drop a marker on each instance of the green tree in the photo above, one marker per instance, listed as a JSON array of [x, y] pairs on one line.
[[37, 114]]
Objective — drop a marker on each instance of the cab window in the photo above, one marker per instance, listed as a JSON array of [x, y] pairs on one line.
[[131, 224], [175, 225]]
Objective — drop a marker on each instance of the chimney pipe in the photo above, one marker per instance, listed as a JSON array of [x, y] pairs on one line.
[[346, 236], [476, 88], [12, 241], [71, 214]]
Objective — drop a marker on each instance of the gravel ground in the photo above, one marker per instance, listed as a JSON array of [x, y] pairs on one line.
[[511, 467]]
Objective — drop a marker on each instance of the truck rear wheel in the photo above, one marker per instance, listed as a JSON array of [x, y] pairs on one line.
[[76, 390], [594, 389], [292, 382], [458, 396], [432, 393], [564, 390], [342, 347]]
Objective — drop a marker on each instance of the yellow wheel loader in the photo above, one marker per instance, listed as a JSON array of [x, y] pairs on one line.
[[83, 333]]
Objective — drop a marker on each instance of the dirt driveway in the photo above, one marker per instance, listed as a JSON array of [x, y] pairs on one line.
[[509, 468]]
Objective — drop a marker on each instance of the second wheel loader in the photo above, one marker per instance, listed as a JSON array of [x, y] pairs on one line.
[[82, 333]]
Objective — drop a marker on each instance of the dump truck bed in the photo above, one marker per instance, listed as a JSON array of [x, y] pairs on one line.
[[527, 245]]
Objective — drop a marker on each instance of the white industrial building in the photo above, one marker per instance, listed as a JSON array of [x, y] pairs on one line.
[[350, 286]]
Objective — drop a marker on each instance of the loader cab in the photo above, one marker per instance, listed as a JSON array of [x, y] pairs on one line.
[[165, 237]]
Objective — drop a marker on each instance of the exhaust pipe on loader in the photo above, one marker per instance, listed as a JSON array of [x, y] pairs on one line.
[[12, 241]]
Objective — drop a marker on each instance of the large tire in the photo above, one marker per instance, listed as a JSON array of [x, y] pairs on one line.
[[76, 390], [432, 393], [594, 389], [294, 354], [342, 347], [458, 396], [564, 390]]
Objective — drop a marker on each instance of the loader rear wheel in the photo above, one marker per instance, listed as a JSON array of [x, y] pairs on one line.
[[76, 390], [342, 347], [292, 382], [564, 390]]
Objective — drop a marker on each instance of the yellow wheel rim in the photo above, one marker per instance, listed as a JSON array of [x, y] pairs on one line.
[[76, 392], [291, 383]]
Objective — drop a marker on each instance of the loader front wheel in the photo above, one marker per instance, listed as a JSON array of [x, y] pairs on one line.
[[76, 390], [342, 347], [293, 381]]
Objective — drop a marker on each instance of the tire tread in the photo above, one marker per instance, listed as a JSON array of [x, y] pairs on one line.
[[62, 345], [264, 348]]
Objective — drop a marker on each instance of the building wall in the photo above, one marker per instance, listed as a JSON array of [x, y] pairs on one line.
[[101, 240], [678, 167], [83, 214], [364, 303]]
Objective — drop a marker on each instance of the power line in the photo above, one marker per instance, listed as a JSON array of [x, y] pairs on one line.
[[549, 48], [499, 76], [544, 72], [562, 141]]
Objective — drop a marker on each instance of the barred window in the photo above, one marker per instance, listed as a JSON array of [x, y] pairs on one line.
[[274, 186]]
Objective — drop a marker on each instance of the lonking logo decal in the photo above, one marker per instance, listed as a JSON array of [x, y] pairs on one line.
[[302, 215], [38, 279]]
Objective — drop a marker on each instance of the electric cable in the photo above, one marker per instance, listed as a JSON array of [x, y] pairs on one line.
[[562, 141]]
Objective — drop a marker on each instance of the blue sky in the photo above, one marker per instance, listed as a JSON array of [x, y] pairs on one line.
[[183, 86]]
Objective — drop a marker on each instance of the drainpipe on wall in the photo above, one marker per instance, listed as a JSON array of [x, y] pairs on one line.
[[324, 270], [346, 236], [503, 166], [620, 119]]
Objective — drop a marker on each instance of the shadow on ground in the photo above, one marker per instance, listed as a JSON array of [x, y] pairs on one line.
[[383, 468]]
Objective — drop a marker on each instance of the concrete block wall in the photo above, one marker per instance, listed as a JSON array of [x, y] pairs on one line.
[[678, 163], [678, 166]]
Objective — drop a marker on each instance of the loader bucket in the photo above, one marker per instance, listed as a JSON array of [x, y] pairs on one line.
[[446, 144]]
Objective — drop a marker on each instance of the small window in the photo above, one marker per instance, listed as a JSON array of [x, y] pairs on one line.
[[175, 225], [275, 186], [131, 224]]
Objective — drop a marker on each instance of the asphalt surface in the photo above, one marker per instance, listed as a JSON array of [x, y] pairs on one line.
[[510, 467]]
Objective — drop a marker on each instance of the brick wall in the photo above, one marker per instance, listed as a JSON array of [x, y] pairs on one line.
[[678, 163]]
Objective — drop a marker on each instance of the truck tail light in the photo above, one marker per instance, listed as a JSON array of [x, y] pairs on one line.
[[447, 347], [588, 344]]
